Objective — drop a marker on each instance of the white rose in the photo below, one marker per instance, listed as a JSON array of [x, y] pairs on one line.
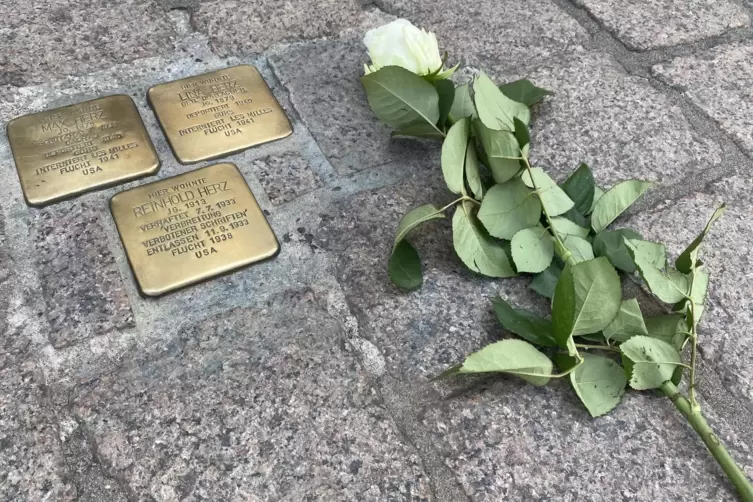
[[399, 43]]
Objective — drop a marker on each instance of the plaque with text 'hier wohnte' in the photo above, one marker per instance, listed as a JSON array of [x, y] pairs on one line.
[[218, 113], [66, 151], [191, 227]]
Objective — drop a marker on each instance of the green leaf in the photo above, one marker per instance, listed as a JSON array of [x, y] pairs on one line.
[[670, 286], [446, 92], [454, 151], [611, 244], [523, 91], [598, 193], [546, 282], [627, 324], [531, 327], [414, 218], [580, 249], [476, 248], [502, 151], [648, 252], [555, 200], [653, 362], [665, 328], [688, 260], [405, 266], [699, 287], [509, 208], [616, 201], [496, 110], [532, 249], [600, 383], [419, 131], [587, 298], [522, 134], [462, 105], [401, 98], [514, 357], [473, 172], [563, 226], [577, 218], [580, 188]]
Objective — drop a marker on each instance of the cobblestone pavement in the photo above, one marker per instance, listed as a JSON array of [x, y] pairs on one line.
[[305, 378]]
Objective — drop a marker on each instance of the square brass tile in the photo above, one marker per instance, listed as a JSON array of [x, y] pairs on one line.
[[66, 151], [218, 113], [191, 227]]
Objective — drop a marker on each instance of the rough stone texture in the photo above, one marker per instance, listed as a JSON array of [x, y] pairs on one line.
[[508, 441], [483, 32], [43, 39], [84, 291], [719, 82], [266, 403], [422, 333], [32, 466], [285, 177], [240, 27], [650, 24], [617, 123], [339, 118], [724, 339], [502, 441]]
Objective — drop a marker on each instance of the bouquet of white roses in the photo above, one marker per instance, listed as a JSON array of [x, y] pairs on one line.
[[511, 218]]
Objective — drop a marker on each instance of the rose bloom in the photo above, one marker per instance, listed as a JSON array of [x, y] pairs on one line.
[[399, 43]]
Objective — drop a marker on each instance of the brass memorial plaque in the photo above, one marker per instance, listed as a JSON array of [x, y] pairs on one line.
[[218, 113], [191, 227], [74, 149]]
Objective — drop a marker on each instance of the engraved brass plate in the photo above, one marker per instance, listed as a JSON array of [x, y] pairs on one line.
[[218, 113], [74, 149], [191, 227]]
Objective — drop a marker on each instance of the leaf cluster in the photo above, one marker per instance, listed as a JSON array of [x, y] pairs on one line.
[[511, 218]]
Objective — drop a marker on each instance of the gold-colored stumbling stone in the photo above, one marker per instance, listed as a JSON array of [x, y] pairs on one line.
[[218, 113], [191, 227], [66, 151]]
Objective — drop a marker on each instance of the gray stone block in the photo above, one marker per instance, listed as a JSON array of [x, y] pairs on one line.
[[239, 27], [32, 465], [500, 438], [43, 40], [83, 289], [718, 81], [650, 24], [261, 403], [724, 335], [483, 32], [322, 79], [506, 440], [285, 177], [617, 123]]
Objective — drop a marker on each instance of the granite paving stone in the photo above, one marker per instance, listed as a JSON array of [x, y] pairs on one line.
[[46, 39], [651, 24], [507, 440], [723, 335], [32, 465], [615, 122], [83, 289], [720, 82], [332, 104], [240, 27], [449, 316], [261, 403], [480, 32], [285, 177], [502, 439]]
